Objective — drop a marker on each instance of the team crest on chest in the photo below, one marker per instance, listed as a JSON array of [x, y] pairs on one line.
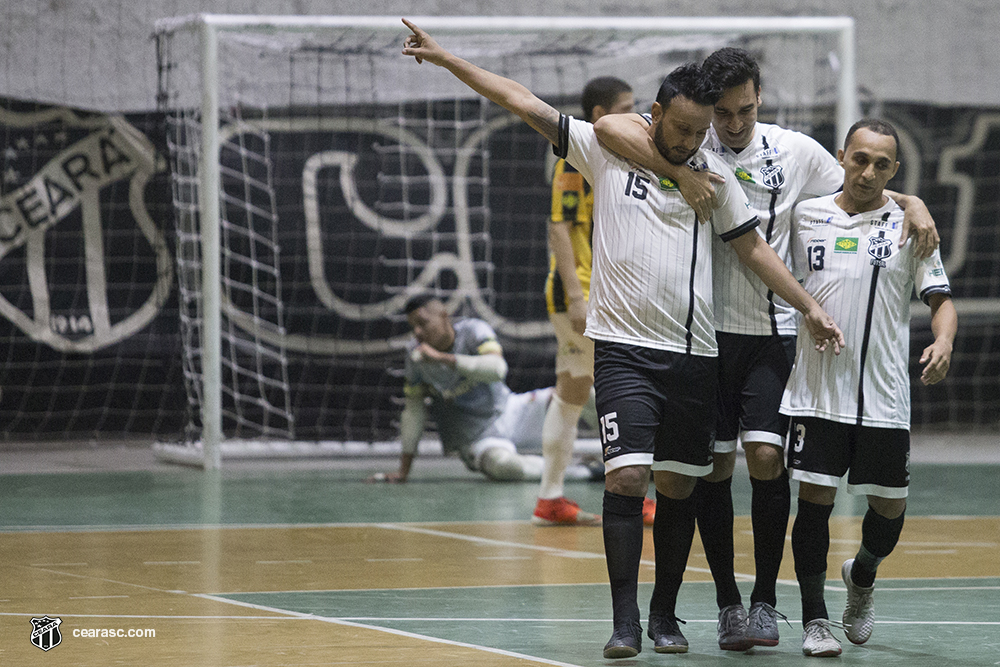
[[772, 175], [880, 248]]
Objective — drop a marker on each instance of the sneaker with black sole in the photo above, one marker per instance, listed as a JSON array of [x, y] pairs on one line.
[[666, 634], [732, 628], [762, 624], [818, 641], [625, 642], [859, 615], [562, 512]]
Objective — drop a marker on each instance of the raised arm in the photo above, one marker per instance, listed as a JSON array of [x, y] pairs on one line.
[[762, 260], [944, 326], [509, 94], [627, 135], [918, 224]]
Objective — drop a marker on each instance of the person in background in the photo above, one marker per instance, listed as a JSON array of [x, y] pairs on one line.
[[454, 372], [566, 291]]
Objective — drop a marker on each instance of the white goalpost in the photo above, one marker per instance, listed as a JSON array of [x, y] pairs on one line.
[[320, 179]]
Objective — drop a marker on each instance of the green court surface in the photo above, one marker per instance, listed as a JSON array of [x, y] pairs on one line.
[[948, 616]]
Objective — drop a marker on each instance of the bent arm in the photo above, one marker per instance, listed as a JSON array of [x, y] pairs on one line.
[[760, 257], [944, 326], [626, 135], [509, 94], [488, 366]]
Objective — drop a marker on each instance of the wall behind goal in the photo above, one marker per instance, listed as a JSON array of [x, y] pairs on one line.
[[88, 295], [98, 54]]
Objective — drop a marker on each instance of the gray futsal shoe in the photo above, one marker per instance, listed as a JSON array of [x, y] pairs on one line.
[[762, 624], [732, 628], [859, 615], [818, 641]]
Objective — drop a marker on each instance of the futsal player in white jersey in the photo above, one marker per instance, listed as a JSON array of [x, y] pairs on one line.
[[850, 414], [454, 372], [755, 330], [650, 314]]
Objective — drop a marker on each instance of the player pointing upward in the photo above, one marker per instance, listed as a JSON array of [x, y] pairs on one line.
[[650, 315]]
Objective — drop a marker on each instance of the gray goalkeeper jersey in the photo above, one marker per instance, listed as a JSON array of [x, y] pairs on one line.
[[462, 408]]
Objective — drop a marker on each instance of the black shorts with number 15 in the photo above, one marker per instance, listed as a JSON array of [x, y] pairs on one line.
[[656, 408]]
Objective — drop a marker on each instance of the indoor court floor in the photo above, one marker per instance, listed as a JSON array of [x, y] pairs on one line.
[[300, 563]]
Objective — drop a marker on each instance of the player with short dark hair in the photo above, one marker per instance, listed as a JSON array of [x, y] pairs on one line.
[[850, 414], [454, 372], [755, 329], [650, 316]]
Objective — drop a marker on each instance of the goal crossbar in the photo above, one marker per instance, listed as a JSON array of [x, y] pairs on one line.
[[208, 27]]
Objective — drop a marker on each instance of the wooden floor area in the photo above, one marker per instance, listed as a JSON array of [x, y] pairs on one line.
[[302, 564]]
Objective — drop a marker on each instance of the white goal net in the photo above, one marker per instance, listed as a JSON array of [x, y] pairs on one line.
[[320, 179]]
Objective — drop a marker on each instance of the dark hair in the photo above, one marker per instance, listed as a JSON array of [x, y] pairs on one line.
[[730, 67], [417, 302], [875, 125], [690, 81], [602, 91]]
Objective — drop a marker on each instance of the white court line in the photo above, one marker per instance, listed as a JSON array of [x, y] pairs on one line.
[[97, 597], [358, 620], [391, 631], [283, 562], [171, 562], [186, 617], [58, 564], [109, 581], [485, 541]]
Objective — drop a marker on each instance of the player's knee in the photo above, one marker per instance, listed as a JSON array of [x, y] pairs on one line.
[[674, 485], [764, 461], [816, 494], [501, 465], [889, 508], [627, 480], [723, 464], [574, 390]]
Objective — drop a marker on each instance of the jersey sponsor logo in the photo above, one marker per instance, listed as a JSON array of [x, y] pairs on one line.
[[937, 272], [667, 185], [772, 175], [767, 154], [846, 244], [817, 222], [880, 248], [744, 175]]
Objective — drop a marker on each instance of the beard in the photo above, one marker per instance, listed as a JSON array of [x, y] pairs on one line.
[[673, 155]]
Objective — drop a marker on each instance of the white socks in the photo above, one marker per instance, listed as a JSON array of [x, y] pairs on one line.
[[558, 436]]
